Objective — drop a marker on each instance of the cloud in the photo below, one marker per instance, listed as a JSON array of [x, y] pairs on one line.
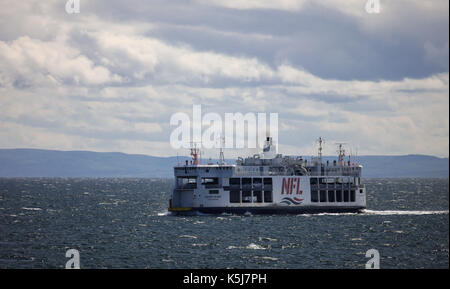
[[26, 61], [109, 78], [257, 4]]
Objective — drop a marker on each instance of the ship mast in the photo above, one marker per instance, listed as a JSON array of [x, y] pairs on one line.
[[341, 152], [319, 161], [194, 153], [221, 155], [320, 140]]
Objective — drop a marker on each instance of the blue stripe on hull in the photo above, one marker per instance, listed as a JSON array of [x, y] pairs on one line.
[[273, 210]]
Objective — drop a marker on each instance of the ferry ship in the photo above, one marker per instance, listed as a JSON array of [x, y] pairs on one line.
[[268, 183]]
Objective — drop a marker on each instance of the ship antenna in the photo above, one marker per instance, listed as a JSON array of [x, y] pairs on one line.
[[194, 153], [341, 153], [320, 140], [221, 155]]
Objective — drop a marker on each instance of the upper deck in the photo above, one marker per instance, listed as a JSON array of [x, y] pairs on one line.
[[269, 163]]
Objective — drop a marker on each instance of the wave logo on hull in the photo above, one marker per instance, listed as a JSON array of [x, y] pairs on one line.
[[291, 201]]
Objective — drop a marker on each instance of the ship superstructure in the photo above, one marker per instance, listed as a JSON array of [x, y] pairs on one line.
[[269, 182]]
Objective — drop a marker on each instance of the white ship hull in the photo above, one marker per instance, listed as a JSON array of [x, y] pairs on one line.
[[286, 194]]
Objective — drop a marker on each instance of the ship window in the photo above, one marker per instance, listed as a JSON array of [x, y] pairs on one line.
[[246, 196], [235, 182], [346, 196], [267, 181], [210, 182], [246, 181], [323, 196], [313, 181], [361, 191], [330, 196], [339, 196], [352, 195], [235, 196], [257, 181], [314, 196], [187, 182], [213, 192], [268, 197], [257, 197]]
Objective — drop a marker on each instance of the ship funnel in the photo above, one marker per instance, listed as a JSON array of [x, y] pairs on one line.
[[269, 150]]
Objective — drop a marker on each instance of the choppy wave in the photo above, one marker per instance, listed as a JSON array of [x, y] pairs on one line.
[[251, 246], [165, 213], [34, 225], [32, 209], [188, 236]]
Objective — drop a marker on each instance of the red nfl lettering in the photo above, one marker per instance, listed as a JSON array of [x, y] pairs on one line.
[[290, 185], [284, 186]]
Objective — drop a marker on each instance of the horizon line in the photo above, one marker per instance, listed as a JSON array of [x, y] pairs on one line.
[[142, 154]]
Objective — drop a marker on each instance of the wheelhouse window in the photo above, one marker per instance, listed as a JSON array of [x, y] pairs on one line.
[[210, 182], [186, 182]]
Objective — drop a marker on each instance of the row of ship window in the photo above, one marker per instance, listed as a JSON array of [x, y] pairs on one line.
[[247, 195], [334, 180], [238, 196], [332, 196]]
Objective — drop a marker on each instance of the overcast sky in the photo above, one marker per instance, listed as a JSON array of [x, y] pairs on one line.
[[110, 77]]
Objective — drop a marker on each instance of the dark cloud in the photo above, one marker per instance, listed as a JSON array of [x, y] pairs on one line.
[[322, 40]]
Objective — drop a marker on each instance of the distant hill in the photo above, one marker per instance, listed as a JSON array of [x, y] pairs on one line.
[[51, 163]]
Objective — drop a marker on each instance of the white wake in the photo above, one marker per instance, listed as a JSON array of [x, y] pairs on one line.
[[401, 212]]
